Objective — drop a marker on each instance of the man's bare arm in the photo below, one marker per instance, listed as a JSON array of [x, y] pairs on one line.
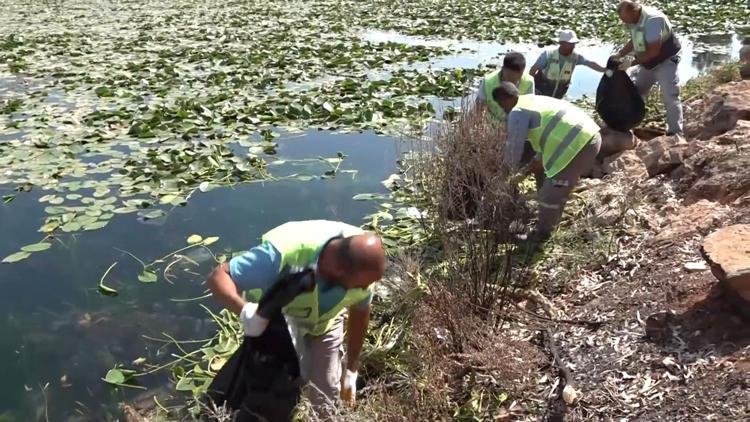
[[223, 289], [359, 320]]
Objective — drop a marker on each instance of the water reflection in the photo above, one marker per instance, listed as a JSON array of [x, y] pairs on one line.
[[54, 326], [698, 55]]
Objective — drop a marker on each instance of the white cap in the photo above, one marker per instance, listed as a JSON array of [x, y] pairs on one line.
[[567, 35]]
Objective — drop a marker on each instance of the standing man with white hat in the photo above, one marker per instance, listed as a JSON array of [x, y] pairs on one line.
[[553, 69]]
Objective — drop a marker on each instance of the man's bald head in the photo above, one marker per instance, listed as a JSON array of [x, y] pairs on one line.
[[629, 11], [356, 261]]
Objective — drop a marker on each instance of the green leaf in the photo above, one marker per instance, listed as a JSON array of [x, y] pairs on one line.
[[7, 199], [18, 256], [193, 239], [185, 384], [71, 227], [147, 277], [96, 225], [49, 227], [37, 247], [152, 215], [366, 196], [115, 376], [210, 240], [166, 199]]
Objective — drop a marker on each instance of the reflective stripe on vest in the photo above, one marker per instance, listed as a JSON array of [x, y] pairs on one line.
[[300, 243], [564, 131], [638, 31], [492, 80], [560, 68]]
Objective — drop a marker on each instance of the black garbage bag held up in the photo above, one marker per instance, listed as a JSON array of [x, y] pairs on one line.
[[261, 381], [618, 102]]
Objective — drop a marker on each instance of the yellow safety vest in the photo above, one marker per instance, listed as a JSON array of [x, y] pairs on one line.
[[492, 80], [638, 31], [560, 68], [564, 130], [300, 243]]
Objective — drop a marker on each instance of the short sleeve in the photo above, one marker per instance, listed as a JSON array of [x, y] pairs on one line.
[[653, 29], [364, 303], [256, 269], [541, 61]]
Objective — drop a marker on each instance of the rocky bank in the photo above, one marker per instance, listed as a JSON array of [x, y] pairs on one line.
[[674, 301]]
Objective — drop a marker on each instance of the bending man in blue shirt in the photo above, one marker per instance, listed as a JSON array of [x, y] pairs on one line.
[[347, 261]]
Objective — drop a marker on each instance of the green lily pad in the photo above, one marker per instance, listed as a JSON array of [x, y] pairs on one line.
[[210, 240], [96, 225], [147, 277], [193, 239], [18, 256], [36, 247]]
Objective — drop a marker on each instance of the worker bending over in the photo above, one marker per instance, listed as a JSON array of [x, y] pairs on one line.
[[553, 70], [513, 71], [656, 49], [347, 261], [565, 139]]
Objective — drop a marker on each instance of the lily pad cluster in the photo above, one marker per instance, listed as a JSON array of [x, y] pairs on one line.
[[136, 107], [532, 21]]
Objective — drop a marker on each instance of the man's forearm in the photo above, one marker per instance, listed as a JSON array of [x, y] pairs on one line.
[[356, 331], [224, 290], [627, 48]]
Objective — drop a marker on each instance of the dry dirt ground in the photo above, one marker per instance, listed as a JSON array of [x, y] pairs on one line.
[[672, 345]]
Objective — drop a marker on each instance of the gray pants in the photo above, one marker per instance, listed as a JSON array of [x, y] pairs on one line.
[[665, 74], [320, 366], [554, 192]]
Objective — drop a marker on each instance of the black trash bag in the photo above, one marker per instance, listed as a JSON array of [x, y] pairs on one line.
[[261, 381], [618, 102]]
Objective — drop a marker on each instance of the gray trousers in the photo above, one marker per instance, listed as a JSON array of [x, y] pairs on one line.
[[665, 74], [320, 360], [554, 192]]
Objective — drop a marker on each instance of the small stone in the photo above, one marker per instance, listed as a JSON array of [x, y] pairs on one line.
[[696, 266]]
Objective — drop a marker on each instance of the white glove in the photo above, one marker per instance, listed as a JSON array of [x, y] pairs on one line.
[[252, 324], [626, 63], [349, 387]]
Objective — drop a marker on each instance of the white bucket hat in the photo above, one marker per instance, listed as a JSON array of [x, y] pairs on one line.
[[567, 35]]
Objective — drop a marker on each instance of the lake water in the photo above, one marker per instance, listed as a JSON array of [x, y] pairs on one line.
[[58, 335]]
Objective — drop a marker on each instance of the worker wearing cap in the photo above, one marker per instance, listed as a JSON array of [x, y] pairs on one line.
[[513, 71], [346, 262], [553, 69], [656, 49], [565, 139]]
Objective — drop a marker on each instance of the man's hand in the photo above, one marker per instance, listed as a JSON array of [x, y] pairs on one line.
[[626, 63], [349, 387]]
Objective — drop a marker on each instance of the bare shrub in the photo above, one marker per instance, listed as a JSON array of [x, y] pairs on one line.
[[478, 210]]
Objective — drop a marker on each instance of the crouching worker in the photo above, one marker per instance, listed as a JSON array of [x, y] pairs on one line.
[[346, 262], [565, 139]]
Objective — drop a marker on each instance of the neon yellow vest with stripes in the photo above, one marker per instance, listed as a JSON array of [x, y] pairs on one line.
[[560, 68], [491, 81], [300, 243], [564, 130], [638, 31]]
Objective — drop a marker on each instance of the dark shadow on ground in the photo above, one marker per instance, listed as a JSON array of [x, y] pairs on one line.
[[714, 321]]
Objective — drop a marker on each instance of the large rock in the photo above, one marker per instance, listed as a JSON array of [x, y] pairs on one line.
[[614, 141], [727, 251], [663, 154], [628, 163], [720, 171], [683, 222], [719, 112]]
